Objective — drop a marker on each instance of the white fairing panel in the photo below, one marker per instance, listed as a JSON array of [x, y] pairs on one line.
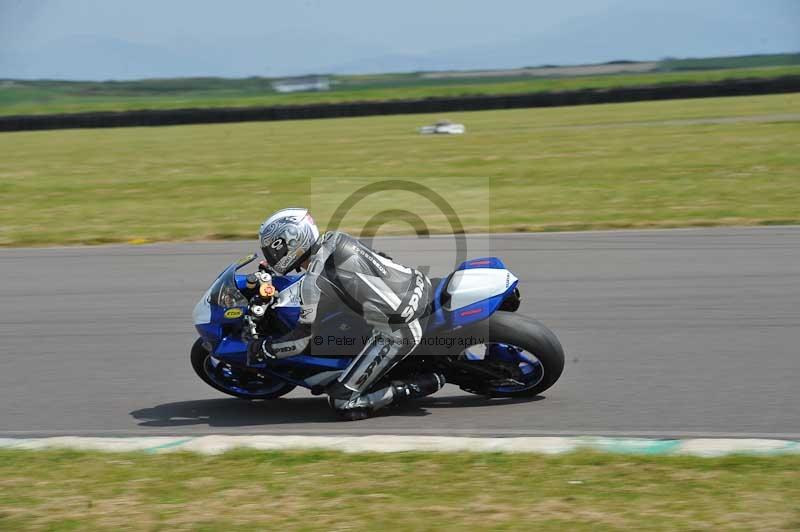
[[470, 286], [202, 311], [289, 296]]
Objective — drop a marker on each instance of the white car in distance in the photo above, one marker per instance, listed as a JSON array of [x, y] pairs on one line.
[[443, 127]]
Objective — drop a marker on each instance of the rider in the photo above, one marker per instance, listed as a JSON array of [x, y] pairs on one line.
[[391, 298]]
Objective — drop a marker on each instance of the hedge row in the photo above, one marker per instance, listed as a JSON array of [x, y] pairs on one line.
[[172, 117]]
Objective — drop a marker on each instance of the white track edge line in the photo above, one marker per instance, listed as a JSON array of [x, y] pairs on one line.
[[216, 444]]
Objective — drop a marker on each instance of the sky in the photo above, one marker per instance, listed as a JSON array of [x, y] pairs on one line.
[[124, 39]]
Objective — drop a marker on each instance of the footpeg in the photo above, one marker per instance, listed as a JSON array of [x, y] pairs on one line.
[[420, 386]]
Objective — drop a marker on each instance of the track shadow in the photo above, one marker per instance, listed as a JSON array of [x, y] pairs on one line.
[[235, 413], [471, 401], [421, 407], [238, 413]]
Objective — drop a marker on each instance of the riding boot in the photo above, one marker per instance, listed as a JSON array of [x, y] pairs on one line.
[[351, 406]]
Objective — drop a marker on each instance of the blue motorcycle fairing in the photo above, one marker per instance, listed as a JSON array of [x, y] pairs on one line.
[[483, 262], [330, 363], [284, 281], [232, 350], [442, 318]]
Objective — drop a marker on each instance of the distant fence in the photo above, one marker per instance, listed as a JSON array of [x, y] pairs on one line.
[[173, 117]]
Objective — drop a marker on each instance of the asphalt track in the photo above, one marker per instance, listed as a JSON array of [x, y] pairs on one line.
[[689, 332]]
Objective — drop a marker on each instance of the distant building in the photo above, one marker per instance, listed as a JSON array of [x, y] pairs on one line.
[[304, 84]]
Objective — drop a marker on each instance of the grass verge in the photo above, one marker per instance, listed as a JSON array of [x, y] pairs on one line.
[[68, 490], [723, 161]]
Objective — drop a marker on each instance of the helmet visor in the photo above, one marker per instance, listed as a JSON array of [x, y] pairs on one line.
[[275, 251]]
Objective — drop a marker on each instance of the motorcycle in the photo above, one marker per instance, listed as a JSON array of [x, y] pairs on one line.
[[472, 335]]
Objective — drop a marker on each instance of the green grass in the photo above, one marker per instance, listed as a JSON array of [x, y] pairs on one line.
[[42, 97], [245, 490], [604, 166]]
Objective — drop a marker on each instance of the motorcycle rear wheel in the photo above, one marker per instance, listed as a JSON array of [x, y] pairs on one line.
[[531, 341]]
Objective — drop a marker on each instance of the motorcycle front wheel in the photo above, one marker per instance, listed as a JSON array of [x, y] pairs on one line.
[[234, 381]]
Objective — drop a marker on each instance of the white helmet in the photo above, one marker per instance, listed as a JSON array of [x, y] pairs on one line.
[[287, 238]]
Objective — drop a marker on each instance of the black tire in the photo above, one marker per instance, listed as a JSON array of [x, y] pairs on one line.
[[531, 335], [199, 355]]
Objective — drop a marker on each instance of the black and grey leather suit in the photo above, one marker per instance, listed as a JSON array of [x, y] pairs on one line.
[[391, 298]]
